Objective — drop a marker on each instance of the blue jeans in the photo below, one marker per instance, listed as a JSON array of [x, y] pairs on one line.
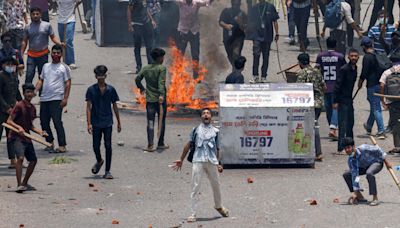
[[69, 50], [31, 65], [375, 113], [346, 123], [331, 114], [291, 23], [97, 135]]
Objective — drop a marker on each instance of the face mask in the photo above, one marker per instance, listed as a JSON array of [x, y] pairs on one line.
[[56, 58], [381, 20], [9, 69]]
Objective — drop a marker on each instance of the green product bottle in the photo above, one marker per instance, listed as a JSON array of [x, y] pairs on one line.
[[291, 140], [307, 144], [298, 138]]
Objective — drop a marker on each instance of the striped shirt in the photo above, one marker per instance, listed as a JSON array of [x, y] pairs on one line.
[[374, 34]]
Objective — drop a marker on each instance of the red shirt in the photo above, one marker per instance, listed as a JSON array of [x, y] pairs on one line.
[[23, 114]]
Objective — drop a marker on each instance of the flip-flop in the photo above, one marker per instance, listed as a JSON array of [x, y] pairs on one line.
[[96, 168]]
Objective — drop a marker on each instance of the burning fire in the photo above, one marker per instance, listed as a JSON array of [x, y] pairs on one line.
[[180, 91]]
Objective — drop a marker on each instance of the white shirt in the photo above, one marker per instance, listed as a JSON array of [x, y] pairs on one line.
[[66, 11], [54, 77], [346, 16], [386, 73]]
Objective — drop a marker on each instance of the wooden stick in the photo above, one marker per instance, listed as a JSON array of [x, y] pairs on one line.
[[391, 171], [29, 136], [356, 93], [387, 96]]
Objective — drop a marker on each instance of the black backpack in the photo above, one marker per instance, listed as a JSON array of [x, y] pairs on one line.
[[383, 60], [392, 85]]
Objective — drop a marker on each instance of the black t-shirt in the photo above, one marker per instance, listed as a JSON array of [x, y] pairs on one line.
[[261, 19], [235, 77], [228, 16], [139, 14], [370, 70]]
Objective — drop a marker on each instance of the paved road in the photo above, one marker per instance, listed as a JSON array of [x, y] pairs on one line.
[[146, 192]]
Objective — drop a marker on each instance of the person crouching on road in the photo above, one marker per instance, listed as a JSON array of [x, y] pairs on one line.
[[364, 159], [99, 99], [204, 141]]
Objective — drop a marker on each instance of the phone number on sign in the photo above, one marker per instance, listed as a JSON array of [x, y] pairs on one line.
[[294, 100], [255, 141]]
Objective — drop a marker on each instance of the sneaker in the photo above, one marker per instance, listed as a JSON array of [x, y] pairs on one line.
[[332, 134], [292, 41], [108, 176], [366, 129], [61, 149], [191, 218], [254, 80], [223, 211], [381, 136], [21, 189], [72, 66], [163, 147], [388, 130], [374, 203], [149, 148], [49, 149], [264, 80]]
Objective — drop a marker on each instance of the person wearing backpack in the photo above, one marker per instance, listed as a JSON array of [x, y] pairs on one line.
[[371, 72], [390, 85], [301, 11], [203, 149], [337, 18]]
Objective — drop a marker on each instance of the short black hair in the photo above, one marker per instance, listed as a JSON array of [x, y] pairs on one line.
[[348, 142], [35, 8], [331, 42], [6, 34], [304, 58], [157, 53], [100, 70], [9, 60], [240, 62], [353, 50], [28, 86], [205, 109], [57, 47]]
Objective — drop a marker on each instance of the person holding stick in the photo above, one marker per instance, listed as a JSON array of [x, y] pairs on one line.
[[156, 95], [21, 118], [99, 99], [363, 160]]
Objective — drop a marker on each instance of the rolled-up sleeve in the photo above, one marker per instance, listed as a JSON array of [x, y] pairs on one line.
[[347, 12]]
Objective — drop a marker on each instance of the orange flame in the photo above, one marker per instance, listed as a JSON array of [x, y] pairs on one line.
[[182, 87]]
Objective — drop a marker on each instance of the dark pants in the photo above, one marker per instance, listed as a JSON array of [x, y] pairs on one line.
[[3, 119], [394, 111], [301, 16], [194, 41], [51, 110], [16, 37], [97, 134], [32, 64], [142, 33], [258, 49], [45, 16], [152, 109], [346, 123], [233, 48], [340, 37], [350, 31], [370, 172], [291, 23], [378, 6], [322, 6], [318, 150]]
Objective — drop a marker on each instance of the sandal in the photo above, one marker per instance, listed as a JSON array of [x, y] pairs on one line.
[[223, 211], [149, 148], [61, 149], [97, 166], [108, 176], [191, 218], [374, 203]]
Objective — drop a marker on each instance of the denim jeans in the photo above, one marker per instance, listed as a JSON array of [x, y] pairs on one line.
[[152, 108], [370, 172], [375, 113], [94, 15], [346, 123], [31, 65], [331, 114], [51, 110], [318, 150], [301, 16], [142, 33], [258, 49], [291, 23], [97, 133], [194, 41], [69, 40]]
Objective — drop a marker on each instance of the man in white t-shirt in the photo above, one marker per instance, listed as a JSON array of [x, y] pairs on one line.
[[66, 24], [340, 33], [55, 86]]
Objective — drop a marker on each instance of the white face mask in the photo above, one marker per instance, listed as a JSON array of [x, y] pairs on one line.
[[381, 20], [9, 69]]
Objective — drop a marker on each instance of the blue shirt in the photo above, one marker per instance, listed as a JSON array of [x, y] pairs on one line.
[[374, 34], [365, 156], [207, 152], [101, 115]]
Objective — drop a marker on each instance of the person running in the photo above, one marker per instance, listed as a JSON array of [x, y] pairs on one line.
[[55, 86], [203, 143], [343, 97], [371, 72], [330, 62], [236, 77], [156, 97], [308, 74], [37, 37], [363, 160], [99, 99], [21, 118]]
